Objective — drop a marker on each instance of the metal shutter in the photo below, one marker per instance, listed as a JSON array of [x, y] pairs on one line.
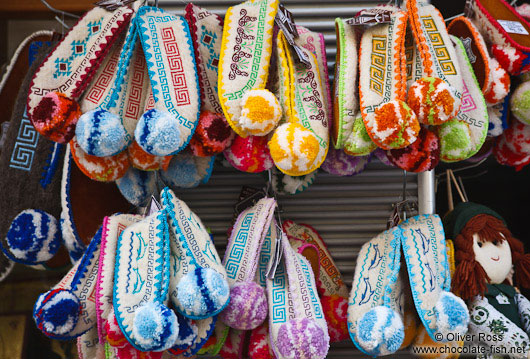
[[346, 211]]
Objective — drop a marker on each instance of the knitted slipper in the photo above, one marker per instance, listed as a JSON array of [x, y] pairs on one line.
[[137, 186], [144, 161], [213, 133], [29, 230], [198, 288], [68, 309], [389, 121], [339, 163], [507, 32], [187, 171], [332, 290], [436, 97], [167, 128], [243, 68], [205, 328], [374, 310], [112, 228], [285, 184], [63, 77], [299, 146], [88, 346], [345, 99], [80, 194], [249, 154], [248, 303], [141, 284], [359, 143], [296, 332], [519, 105], [233, 347], [458, 145], [426, 257]]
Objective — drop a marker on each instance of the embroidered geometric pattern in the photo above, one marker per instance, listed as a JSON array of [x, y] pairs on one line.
[[134, 93], [178, 77], [63, 67], [233, 263], [440, 50], [378, 61], [96, 92], [25, 145], [278, 298], [467, 101]]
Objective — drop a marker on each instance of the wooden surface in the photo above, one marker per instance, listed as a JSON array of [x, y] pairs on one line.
[[24, 9]]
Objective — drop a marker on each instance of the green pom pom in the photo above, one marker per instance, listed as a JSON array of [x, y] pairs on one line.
[[455, 140]]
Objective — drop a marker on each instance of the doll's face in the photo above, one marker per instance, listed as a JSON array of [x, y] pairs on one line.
[[495, 257]]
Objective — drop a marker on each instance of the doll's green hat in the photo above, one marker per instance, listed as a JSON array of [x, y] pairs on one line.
[[456, 220]]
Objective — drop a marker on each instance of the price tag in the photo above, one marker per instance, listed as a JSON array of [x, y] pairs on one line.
[[371, 17], [284, 20], [513, 27]]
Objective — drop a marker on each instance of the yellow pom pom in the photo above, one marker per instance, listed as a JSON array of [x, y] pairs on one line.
[[294, 149], [260, 112]]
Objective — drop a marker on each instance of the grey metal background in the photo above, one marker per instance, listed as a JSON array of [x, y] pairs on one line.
[[346, 211]]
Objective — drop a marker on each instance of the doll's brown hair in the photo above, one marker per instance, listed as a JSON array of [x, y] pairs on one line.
[[470, 278]]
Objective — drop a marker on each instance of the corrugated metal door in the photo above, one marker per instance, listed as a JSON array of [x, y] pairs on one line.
[[346, 211]]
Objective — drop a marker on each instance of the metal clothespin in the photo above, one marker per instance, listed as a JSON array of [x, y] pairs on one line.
[[278, 253], [112, 5]]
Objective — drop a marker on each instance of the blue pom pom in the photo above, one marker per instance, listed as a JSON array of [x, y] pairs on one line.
[[33, 237], [182, 172], [155, 327], [187, 333], [202, 293], [56, 312], [101, 133], [137, 186], [380, 331], [158, 133], [452, 315]]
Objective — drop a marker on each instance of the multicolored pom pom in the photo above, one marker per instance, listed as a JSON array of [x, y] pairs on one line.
[[247, 308], [101, 133], [212, 135], [202, 293], [260, 112], [155, 327], [455, 140], [359, 143], [294, 149], [382, 156], [103, 169], [433, 100], [137, 186], [157, 132], [144, 161], [495, 122], [302, 338], [188, 171], [335, 310], [339, 163], [188, 332], [422, 155], [55, 117], [500, 84], [506, 156], [33, 237], [249, 154], [511, 59], [115, 336], [285, 184], [56, 312], [518, 137], [520, 102], [392, 125]]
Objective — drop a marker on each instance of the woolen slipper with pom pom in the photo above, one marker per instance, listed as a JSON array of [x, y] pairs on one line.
[[187, 171], [424, 153], [65, 74], [298, 327], [424, 249], [389, 121], [68, 309], [507, 32], [248, 302], [339, 163], [244, 67], [249, 154], [437, 95], [89, 347], [331, 288], [167, 128], [375, 315], [137, 186], [199, 288], [141, 285]]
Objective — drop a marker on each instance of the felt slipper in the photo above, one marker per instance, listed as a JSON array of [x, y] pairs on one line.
[[213, 133], [112, 228], [456, 145], [389, 121], [436, 97], [64, 75], [285, 184], [425, 253], [79, 196], [345, 101], [30, 230], [507, 32], [295, 332], [339, 163], [198, 288], [88, 346], [299, 146], [424, 153], [248, 302], [244, 66], [187, 171], [137, 186], [249, 154], [68, 309], [167, 128], [375, 311], [331, 288], [141, 284]]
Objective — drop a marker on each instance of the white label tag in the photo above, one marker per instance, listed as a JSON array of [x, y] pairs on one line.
[[513, 27]]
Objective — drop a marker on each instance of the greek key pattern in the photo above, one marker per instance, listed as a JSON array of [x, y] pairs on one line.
[[265, 257], [467, 101], [313, 297], [191, 240], [178, 78], [133, 99], [377, 65], [280, 301], [209, 50], [437, 45], [234, 261], [25, 145], [104, 80]]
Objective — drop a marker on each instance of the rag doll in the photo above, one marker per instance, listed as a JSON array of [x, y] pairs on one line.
[[489, 263]]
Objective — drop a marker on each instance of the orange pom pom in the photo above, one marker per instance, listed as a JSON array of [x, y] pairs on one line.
[[433, 100]]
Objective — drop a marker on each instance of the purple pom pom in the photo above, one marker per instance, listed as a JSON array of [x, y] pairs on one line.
[[302, 338], [247, 308]]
